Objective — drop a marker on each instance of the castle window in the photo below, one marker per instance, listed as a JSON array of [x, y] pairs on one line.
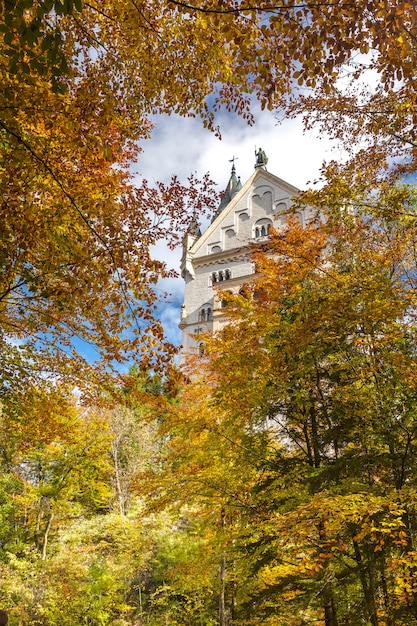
[[224, 303], [221, 276], [228, 274], [281, 213], [262, 228], [205, 313], [214, 277]]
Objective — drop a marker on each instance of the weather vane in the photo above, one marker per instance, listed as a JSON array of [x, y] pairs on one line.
[[232, 160]]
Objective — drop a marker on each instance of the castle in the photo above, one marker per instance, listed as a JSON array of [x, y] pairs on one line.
[[218, 260]]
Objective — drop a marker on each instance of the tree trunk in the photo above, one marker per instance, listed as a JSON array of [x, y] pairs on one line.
[[46, 535], [119, 490], [315, 435], [330, 617], [222, 604], [368, 591]]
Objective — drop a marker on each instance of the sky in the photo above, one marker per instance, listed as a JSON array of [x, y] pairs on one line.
[[182, 146]]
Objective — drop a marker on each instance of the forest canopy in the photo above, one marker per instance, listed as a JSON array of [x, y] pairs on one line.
[[189, 510], [80, 84]]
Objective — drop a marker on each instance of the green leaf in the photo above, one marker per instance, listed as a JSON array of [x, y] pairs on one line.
[[37, 66], [47, 42], [51, 54], [68, 7], [8, 37], [59, 8], [8, 17]]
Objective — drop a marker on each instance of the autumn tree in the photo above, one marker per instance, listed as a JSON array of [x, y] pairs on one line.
[[305, 427], [76, 264], [207, 471], [54, 463], [76, 541]]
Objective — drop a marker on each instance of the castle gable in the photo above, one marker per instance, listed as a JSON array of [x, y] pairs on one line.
[[261, 202]]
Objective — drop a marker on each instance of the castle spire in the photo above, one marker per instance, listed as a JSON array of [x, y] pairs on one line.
[[232, 187]]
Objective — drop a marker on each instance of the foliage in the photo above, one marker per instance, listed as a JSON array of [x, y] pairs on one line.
[[76, 541], [54, 462], [80, 84], [301, 430], [294, 452], [77, 273]]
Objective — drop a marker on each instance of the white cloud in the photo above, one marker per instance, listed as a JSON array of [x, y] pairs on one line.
[[181, 146]]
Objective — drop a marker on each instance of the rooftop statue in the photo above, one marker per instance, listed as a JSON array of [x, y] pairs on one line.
[[261, 158]]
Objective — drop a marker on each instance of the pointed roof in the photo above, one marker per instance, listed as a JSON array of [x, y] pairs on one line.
[[233, 186]]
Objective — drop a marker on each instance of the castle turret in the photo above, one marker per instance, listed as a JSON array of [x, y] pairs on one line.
[[190, 237]]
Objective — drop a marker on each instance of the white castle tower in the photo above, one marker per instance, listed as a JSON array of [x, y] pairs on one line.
[[218, 259]]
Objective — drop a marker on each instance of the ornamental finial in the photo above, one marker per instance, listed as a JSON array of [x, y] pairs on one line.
[[232, 160]]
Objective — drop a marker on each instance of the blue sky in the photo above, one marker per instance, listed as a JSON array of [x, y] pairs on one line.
[[182, 146]]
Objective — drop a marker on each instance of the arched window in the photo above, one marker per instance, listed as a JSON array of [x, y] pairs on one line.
[[214, 277], [224, 303], [262, 227], [221, 277], [227, 274], [281, 213], [203, 315], [209, 314]]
